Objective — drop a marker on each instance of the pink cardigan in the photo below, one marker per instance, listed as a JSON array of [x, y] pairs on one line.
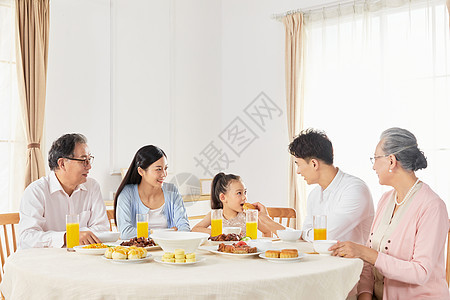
[[414, 263]]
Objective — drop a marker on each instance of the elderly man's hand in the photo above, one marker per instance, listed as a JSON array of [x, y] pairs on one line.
[[87, 237]]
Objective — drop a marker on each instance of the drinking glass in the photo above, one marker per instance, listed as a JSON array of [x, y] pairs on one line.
[[251, 223], [216, 222], [320, 227], [72, 231], [142, 225]]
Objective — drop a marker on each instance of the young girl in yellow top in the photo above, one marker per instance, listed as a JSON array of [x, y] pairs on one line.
[[228, 192]]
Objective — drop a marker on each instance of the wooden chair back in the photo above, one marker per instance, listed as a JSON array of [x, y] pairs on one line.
[[447, 269], [282, 213], [110, 214], [8, 242]]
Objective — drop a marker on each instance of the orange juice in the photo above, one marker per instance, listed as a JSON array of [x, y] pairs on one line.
[[216, 227], [320, 234], [252, 230], [72, 234], [142, 229]]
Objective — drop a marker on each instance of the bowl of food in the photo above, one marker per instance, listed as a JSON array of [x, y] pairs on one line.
[[322, 246], [289, 235], [171, 240]]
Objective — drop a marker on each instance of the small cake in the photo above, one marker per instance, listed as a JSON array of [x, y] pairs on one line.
[[190, 260], [134, 254], [169, 255], [180, 261], [179, 252], [180, 256], [119, 254], [273, 253], [109, 252], [190, 255], [169, 260], [289, 253], [248, 206]]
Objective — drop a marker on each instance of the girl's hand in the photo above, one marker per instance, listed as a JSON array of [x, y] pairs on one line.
[[175, 228], [262, 210]]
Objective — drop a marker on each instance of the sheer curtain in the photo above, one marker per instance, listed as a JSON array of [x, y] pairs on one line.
[[12, 140], [372, 66]]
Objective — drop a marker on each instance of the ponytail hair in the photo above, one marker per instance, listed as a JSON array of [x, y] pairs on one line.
[[143, 158], [220, 185]]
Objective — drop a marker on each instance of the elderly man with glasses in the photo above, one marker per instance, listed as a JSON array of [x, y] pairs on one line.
[[67, 190]]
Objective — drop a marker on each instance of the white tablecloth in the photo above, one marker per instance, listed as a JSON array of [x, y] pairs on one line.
[[58, 274]]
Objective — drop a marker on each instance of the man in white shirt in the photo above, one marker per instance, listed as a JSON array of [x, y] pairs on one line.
[[343, 198], [66, 190]]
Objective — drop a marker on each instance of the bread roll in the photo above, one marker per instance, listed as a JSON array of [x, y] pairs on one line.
[[109, 252], [134, 254], [273, 253], [119, 254]]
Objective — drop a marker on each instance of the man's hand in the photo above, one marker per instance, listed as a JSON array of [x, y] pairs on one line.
[[87, 238]]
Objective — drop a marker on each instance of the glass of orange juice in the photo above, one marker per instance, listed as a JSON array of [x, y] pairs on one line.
[[216, 222], [320, 227], [251, 223], [72, 231], [142, 225]]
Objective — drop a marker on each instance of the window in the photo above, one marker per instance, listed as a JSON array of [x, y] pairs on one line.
[[371, 69], [12, 145]]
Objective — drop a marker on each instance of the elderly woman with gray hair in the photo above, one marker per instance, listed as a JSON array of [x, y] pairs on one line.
[[404, 255]]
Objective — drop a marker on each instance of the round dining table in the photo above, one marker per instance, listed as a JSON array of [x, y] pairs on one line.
[[49, 273]]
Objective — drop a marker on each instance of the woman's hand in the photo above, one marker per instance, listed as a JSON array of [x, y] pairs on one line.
[[262, 210], [353, 250]]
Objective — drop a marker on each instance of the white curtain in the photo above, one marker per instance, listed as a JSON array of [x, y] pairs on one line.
[[12, 140], [376, 65]]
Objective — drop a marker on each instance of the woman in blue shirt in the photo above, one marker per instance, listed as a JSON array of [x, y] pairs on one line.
[[143, 191]]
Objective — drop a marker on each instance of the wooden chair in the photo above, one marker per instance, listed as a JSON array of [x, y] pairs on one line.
[[282, 213], [447, 269], [110, 214], [5, 220]]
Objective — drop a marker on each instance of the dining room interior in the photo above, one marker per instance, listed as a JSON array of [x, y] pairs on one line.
[[215, 83]]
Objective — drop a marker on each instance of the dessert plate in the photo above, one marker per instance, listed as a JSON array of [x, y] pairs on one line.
[[129, 261], [213, 249], [158, 259], [283, 260]]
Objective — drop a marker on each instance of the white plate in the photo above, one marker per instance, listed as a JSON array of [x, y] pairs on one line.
[[283, 260], [129, 261], [93, 251], [213, 249], [158, 259]]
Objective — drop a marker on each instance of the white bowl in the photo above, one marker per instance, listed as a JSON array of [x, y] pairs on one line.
[[171, 240], [107, 236], [321, 246], [228, 230], [289, 235], [260, 244]]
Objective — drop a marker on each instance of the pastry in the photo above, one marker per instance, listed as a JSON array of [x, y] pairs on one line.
[[273, 253], [134, 254], [180, 261], [179, 251], [169, 255], [109, 252], [119, 254], [190, 260], [248, 206], [169, 260], [180, 256], [289, 253], [142, 251], [190, 255]]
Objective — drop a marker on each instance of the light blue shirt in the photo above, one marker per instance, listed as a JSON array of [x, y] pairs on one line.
[[129, 204]]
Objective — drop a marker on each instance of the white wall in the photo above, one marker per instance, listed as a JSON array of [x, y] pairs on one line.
[[182, 72]]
